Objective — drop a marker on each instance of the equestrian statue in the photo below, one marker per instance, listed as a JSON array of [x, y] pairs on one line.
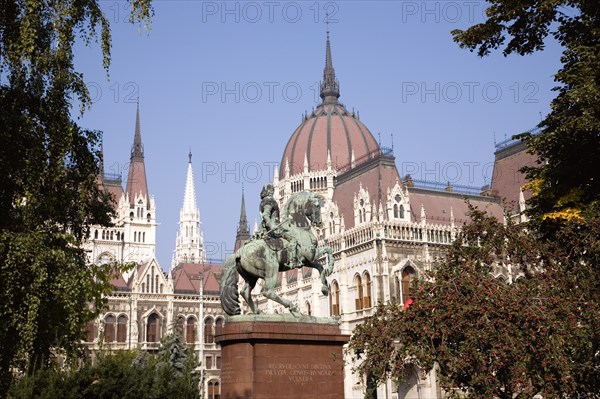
[[283, 242]]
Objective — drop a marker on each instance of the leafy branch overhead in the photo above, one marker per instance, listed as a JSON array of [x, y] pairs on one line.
[[49, 194]]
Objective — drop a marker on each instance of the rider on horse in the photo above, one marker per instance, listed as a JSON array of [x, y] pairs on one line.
[[272, 227]]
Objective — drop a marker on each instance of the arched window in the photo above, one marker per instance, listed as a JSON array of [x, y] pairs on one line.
[[401, 211], [408, 274], [334, 299], [95, 234], [121, 329], [134, 236], [219, 324], [103, 235], [190, 330], [109, 328], [90, 334], [179, 326], [152, 328], [209, 335], [214, 390], [367, 303], [358, 300], [112, 235], [308, 310], [396, 214]]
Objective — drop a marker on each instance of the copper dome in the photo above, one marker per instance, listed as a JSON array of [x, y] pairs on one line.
[[330, 128]]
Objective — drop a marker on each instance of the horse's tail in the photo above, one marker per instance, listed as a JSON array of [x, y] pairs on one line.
[[229, 292]]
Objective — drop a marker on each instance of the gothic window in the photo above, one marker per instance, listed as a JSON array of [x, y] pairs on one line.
[[95, 234], [118, 236], [89, 332], [103, 235], [152, 328], [334, 299], [219, 323], [218, 362], [396, 213], [308, 310], [134, 236], [358, 301], [109, 328], [408, 274], [209, 336], [148, 218], [144, 236], [148, 283], [209, 362], [143, 287], [121, 328], [214, 390], [367, 303], [190, 330], [179, 326], [191, 231], [401, 211]]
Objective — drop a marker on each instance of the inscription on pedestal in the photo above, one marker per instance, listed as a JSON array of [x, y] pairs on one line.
[[299, 373]]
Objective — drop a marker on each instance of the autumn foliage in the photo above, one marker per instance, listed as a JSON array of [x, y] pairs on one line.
[[486, 336]]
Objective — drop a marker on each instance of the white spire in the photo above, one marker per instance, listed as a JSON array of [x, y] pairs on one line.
[[189, 197], [189, 244]]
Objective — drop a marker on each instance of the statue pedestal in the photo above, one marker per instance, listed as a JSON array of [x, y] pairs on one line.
[[271, 356]]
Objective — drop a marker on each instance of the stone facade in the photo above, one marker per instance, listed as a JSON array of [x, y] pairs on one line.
[[148, 303]]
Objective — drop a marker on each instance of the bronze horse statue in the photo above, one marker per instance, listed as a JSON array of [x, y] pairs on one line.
[[259, 258]]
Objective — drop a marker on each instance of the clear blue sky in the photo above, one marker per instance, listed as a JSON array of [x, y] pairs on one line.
[[231, 80]]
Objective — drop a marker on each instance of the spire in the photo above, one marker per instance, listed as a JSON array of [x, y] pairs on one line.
[[330, 87], [137, 149], [189, 196], [189, 243], [243, 231], [136, 178]]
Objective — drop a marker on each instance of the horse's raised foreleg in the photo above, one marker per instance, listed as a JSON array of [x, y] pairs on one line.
[[324, 272], [269, 292]]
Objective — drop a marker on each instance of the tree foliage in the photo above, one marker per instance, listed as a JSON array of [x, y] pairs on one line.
[[567, 186], [488, 338], [121, 374], [538, 335], [49, 194]]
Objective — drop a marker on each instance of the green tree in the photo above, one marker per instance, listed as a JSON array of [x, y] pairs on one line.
[[119, 374], [49, 194], [488, 338], [565, 183]]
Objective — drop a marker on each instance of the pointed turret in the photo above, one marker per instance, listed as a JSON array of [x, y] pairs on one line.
[[243, 231], [189, 246], [330, 87], [136, 178]]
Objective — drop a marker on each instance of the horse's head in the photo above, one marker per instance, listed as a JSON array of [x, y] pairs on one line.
[[302, 206], [313, 210]]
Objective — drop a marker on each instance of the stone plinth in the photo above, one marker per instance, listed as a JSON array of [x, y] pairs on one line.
[[272, 357]]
